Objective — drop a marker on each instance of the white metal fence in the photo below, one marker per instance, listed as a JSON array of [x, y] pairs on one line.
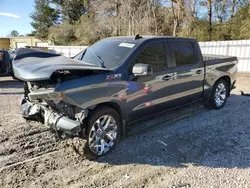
[[68, 51], [239, 48]]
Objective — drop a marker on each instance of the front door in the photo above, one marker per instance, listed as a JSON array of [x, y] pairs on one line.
[[148, 95]]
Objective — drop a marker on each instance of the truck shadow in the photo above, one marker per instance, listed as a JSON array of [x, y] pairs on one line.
[[212, 138]]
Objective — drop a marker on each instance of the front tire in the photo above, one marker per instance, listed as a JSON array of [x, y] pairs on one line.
[[219, 94], [103, 131]]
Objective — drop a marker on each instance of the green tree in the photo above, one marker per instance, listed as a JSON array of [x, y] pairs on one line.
[[71, 10], [43, 18], [33, 33], [83, 22], [14, 33], [63, 34], [240, 24]]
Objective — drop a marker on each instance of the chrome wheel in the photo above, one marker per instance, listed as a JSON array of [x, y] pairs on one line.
[[102, 135], [220, 95]]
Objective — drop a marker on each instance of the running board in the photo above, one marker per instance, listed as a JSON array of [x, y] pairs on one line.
[[166, 117]]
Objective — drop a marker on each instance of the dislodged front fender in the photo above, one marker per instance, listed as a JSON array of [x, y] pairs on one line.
[[87, 97]]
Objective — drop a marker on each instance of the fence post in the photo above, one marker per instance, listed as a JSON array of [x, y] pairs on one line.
[[227, 49]]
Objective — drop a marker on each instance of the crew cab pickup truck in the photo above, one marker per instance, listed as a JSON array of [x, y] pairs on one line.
[[104, 89]]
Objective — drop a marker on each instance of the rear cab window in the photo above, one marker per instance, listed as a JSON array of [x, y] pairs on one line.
[[182, 53]]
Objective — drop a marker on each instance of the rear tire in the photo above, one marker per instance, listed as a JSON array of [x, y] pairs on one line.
[[219, 94], [103, 132]]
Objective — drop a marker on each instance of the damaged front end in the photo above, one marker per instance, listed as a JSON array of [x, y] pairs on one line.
[[48, 107], [42, 74]]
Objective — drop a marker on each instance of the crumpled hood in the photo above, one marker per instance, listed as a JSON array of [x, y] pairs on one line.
[[41, 68]]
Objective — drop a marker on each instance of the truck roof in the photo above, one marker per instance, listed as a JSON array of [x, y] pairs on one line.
[[140, 39]]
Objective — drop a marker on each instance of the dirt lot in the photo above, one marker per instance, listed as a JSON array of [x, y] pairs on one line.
[[210, 149]]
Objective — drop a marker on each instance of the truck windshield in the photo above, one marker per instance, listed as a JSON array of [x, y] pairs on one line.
[[107, 53]]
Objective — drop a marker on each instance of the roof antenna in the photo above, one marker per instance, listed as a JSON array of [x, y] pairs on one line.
[[138, 37]]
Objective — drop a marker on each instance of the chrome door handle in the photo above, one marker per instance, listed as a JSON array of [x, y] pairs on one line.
[[168, 77], [199, 71]]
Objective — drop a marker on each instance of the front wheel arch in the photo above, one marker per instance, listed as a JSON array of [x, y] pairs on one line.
[[119, 110]]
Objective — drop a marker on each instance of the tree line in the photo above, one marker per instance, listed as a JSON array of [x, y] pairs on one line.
[[83, 22]]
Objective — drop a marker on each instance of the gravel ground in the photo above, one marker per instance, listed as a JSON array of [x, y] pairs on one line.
[[209, 149]]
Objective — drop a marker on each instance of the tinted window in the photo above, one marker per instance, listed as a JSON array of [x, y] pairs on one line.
[[112, 52], [154, 55], [183, 53]]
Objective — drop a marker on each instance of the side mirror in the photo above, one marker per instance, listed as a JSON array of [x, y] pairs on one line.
[[142, 69]]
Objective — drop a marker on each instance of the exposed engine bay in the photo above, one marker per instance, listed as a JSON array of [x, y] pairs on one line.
[[48, 106], [58, 115]]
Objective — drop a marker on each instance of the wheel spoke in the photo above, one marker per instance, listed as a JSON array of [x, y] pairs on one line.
[[110, 135], [106, 123], [102, 146], [222, 88], [217, 101], [104, 120], [111, 143], [94, 147], [97, 124], [92, 135], [220, 102], [223, 96]]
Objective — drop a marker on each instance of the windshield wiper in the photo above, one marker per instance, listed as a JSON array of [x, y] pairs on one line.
[[100, 60]]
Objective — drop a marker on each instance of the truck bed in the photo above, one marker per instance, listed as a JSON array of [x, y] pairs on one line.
[[214, 59]]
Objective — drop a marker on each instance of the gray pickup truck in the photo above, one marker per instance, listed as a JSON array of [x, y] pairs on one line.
[[117, 81]]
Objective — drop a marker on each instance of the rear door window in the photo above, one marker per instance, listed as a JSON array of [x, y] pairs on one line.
[[153, 54], [182, 53]]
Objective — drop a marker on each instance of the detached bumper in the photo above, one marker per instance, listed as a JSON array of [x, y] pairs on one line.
[[51, 119]]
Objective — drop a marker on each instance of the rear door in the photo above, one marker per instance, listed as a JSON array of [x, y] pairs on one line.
[[149, 95], [188, 71]]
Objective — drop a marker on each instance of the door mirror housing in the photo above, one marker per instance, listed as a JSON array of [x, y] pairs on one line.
[[142, 70]]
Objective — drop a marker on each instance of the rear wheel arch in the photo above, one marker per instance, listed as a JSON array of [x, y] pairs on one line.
[[227, 79]]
